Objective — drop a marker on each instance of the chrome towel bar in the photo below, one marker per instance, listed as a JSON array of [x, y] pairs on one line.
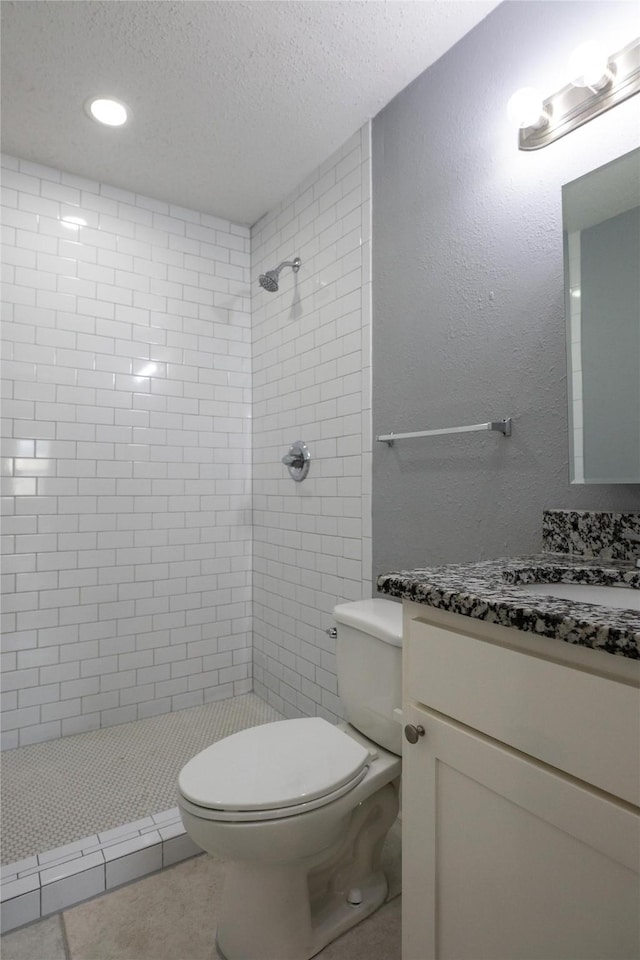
[[500, 426]]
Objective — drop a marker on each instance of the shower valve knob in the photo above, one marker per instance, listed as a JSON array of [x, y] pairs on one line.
[[413, 733], [297, 460], [291, 461]]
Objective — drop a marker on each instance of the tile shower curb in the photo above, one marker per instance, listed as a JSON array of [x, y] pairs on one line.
[[57, 879]]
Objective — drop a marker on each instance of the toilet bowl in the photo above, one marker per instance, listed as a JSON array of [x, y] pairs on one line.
[[301, 809]]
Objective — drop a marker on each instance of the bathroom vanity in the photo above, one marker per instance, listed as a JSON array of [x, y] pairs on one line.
[[521, 763]]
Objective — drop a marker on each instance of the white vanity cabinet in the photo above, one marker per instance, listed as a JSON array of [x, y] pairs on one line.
[[521, 819]]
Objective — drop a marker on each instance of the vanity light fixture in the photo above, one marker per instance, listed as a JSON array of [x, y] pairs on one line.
[[599, 83], [106, 110]]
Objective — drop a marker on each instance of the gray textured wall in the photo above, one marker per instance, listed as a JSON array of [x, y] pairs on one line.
[[468, 320]]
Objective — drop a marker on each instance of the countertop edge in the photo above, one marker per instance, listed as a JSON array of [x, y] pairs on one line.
[[491, 598]]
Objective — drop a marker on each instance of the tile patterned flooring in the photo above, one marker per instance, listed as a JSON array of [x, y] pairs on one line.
[[117, 774], [172, 916], [122, 776], [57, 792]]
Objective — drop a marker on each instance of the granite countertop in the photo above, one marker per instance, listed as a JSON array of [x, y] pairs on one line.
[[488, 590]]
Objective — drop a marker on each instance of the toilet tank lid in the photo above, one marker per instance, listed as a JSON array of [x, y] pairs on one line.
[[377, 617]]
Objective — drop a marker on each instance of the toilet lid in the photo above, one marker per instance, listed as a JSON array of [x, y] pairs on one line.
[[275, 765]]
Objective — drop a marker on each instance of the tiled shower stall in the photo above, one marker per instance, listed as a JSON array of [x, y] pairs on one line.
[[137, 346], [126, 455]]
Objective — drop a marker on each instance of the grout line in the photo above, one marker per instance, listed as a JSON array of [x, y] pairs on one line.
[[65, 940], [70, 875]]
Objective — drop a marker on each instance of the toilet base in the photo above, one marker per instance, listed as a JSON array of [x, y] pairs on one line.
[[342, 915], [290, 911], [341, 918]]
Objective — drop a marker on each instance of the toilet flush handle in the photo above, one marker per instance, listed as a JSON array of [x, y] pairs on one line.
[[332, 632]]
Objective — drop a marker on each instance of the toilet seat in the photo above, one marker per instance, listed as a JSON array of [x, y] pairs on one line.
[[275, 770], [278, 813]]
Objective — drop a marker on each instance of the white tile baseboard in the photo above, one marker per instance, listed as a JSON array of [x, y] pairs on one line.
[[37, 886]]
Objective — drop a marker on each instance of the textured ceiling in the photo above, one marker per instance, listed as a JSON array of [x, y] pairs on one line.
[[233, 103]]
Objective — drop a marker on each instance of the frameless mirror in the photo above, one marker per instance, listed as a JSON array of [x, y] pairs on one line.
[[601, 229]]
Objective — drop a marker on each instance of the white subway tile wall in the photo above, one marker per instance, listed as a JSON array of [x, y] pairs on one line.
[[127, 398], [311, 382], [126, 456]]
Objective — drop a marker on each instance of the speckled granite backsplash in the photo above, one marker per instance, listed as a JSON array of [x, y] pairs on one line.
[[590, 533]]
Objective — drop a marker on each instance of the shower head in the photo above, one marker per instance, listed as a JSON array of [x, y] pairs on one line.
[[269, 280]]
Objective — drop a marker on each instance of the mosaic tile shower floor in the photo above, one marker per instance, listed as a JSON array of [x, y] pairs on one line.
[[56, 792]]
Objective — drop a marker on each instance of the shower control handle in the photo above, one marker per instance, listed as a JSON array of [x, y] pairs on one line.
[[413, 733], [297, 460], [292, 460]]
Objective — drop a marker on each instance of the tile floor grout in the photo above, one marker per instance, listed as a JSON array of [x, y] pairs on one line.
[[63, 936], [182, 901], [122, 774], [70, 923], [38, 884]]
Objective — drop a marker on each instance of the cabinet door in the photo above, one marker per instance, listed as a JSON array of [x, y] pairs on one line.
[[505, 858]]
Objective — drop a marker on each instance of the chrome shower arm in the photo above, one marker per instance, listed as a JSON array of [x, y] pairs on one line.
[[294, 264]]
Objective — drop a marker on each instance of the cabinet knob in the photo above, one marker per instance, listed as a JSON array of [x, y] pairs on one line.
[[413, 733]]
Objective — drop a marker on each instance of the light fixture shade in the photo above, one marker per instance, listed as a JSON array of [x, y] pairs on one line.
[[589, 66], [106, 110], [525, 108]]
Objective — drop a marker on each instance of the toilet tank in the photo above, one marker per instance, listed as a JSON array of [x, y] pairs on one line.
[[369, 664]]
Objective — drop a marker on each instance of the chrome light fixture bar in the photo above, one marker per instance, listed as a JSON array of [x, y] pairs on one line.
[[574, 105]]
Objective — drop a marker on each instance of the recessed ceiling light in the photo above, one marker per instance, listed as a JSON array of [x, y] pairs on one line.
[[106, 110]]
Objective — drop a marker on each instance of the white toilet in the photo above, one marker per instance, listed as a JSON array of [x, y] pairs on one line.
[[301, 808]]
